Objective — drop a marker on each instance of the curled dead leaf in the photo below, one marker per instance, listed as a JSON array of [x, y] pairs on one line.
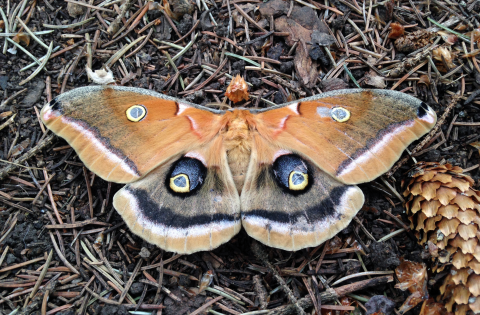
[[102, 76], [476, 145], [237, 90], [444, 53], [206, 280], [375, 80], [424, 79], [168, 9], [461, 27], [397, 30], [22, 37], [449, 38], [2, 24]]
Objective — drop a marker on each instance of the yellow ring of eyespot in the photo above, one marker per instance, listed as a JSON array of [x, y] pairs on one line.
[[140, 117], [346, 113], [178, 189], [300, 186]]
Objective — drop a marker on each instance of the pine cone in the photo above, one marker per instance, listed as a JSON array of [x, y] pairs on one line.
[[444, 211]]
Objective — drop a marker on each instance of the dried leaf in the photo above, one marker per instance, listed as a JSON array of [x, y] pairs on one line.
[[412, 276], [206, 280], [424, 79], [373, 79], [130, 76], [449, 38], [168, 10], [444, 53], [397, 30], [2, 24], [101, 76], [461, 27], [300, 31], [237, 90], [22, 37], [476, 145]]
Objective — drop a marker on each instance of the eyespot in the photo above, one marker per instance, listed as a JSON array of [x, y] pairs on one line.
[[186, 176], [291, 172], [180, 183], [297, 180], [136, 113], [340, 114]]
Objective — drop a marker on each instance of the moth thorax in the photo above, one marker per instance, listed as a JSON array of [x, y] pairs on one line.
[[238, 144]]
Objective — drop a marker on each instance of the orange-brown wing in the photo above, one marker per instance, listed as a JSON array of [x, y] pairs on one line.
[[353, 135], [99, 123]]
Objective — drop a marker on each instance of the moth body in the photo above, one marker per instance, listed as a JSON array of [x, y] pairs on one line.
[[237, 139]]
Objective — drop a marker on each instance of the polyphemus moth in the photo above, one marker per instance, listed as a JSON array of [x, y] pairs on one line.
[[194, 175]]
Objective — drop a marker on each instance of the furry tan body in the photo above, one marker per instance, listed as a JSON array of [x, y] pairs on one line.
[[237, 139]]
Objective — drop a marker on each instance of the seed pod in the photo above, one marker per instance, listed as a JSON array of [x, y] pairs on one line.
[[444, 211]]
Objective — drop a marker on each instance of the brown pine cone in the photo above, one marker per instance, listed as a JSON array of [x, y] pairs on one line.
[[444, 211]]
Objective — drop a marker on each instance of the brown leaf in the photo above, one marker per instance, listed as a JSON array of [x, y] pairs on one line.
[[476, 145], [22, 37], [424, 79], [397, 30], [444, 53], [375, 80], [130, 76], [306, 68]]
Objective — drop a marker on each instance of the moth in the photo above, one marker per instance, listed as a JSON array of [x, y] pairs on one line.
[[194, 175]]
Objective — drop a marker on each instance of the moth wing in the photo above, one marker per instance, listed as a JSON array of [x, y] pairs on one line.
[[184, 223], [365, 145], [93, 120], [292, 220]]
